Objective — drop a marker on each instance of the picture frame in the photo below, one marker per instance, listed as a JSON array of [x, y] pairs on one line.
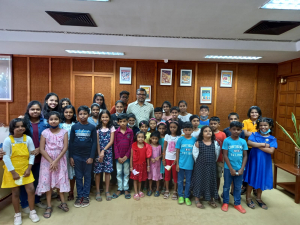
[[205, 95], [6, 79], [186, 77], [166, 77], [226, 78], [148, 90], [125, 75]]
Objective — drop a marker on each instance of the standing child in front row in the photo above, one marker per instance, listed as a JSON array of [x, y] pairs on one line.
[[122, 147], [235, 157], [131, 123], [154, 173], [139, 163], [169, 157], [82, 151], [258, 172], [162, 128], [144, 125], [18, 161], [185, 162], [204, 113], [54, 171], [204, 182]]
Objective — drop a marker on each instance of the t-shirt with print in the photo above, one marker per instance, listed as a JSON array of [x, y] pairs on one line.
[[171, 150], [185, 147], [235, 152], [203, 123], [220, 137], [185, 118]]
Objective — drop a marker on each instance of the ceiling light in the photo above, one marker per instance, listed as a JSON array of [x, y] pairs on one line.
[[94, 52], [282, 4], [95, 0], [232, 57], [5, 58]]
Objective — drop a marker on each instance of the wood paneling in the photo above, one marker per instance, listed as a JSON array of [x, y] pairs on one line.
[[145, 72], [83, 65], [284, 68], [103, 85], [296, 67], [106, 66], [83, 91]]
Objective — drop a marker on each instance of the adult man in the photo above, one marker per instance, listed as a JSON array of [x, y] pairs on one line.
[[124, 95], [140, 108]]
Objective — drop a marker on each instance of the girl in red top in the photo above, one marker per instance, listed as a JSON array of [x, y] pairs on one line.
[[139, 163]]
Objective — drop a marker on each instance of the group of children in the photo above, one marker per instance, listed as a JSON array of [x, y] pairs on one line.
[[176, 145]]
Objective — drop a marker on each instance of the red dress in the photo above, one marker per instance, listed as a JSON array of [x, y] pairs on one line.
[[139, 162]]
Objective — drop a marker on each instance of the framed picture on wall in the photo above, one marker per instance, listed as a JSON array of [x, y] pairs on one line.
[[226, 78], [185, 77], [148, 90], [166, 77], [205, 95], [125, 75], [6, 81]]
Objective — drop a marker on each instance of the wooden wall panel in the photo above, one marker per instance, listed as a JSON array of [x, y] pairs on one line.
[[103, 85], [83, 65], [39, 78], [18, 106], [296, 67], [284, 68], [225, 96], [104, 66], [2, 113], [83, 91], [245, 89], [163, 92], [60, 77], [186, 93]]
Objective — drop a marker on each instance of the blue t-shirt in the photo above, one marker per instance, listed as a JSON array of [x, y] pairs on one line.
[[186, 160], [228, 133], [203, 123], [235, 152], [258, 138]]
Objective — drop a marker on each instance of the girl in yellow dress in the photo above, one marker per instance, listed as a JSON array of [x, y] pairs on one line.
[[17, 169]]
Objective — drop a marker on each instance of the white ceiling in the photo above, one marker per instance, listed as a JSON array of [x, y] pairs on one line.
[[226, 19]]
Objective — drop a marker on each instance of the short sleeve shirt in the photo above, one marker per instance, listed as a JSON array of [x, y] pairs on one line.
[[185, 118], [258, 138], [185, 147], [144, 112], [171, 150]]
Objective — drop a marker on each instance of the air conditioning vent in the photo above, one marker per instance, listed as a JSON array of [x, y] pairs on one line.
[[72, 19]]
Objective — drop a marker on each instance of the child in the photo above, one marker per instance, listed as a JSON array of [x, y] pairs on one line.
[[82, 151], [162, 128], [139, 166], [158, 114], [235, 157], [195, 120], [175, 112], [54, 172], [152, 125], [185, 162], [104, 161], [122, 147], [63, 103], [99, 99], [258, 172], [131, 123], [204, 113], [154, 173], [169, 157], [50, 104], [214, 123], [119, 109], [95, 110], [68, 120], [18, 162], [144, 125], [204, 182], [183, 115], [233, 117], [166, 106]]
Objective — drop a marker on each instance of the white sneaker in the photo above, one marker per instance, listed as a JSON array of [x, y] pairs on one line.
[[33, 216], [41, 205], [26, 210], [18, 219]]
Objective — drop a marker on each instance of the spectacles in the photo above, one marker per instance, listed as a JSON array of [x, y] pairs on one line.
[[141, 94]]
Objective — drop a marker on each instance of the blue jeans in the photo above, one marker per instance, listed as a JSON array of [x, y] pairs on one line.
[[188, 178], [237, 182], [123, 175], [82, 171], [23, 194]]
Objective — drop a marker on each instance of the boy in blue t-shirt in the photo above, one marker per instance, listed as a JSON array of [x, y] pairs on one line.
[[235, 157], [204, 113], [185, 162]]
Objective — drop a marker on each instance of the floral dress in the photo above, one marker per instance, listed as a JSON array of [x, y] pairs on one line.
[[154, 173]]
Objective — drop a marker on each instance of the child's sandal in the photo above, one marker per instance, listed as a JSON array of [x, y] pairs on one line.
[[64, 207], [166, 195], [163, 191], [261, 204], [156, 194], [175, 195], [136, 197], [212, 204], [199, 205], [149, 193], [251, 204], [98, 198], [47, 215]]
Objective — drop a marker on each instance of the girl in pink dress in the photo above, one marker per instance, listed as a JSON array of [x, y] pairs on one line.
[[154, 173], [54, 170]]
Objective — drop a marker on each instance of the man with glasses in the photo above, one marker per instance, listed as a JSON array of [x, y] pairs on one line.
[[140, 108], [124, 95]]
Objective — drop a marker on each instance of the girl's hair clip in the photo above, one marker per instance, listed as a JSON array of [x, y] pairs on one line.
[[161, 123], [153, 119], [173, 121]]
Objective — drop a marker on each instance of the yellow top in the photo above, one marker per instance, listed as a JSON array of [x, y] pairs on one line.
[[249, 126], [147, 140]]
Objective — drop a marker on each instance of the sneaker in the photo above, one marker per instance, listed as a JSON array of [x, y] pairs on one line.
[[26, 210], [180, 200], [188, 201], [85, 202], [224, 207], [41, 205], [17, 219], [77, 203], [240, 208], [33, 216]]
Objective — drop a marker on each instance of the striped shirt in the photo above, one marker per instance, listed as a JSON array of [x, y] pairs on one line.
[[144, 112], [123, 142]]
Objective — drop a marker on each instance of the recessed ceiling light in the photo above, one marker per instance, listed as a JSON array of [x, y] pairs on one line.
[[5, 58], [94, 0], [232, 57], [282, 4], [94, 52]]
